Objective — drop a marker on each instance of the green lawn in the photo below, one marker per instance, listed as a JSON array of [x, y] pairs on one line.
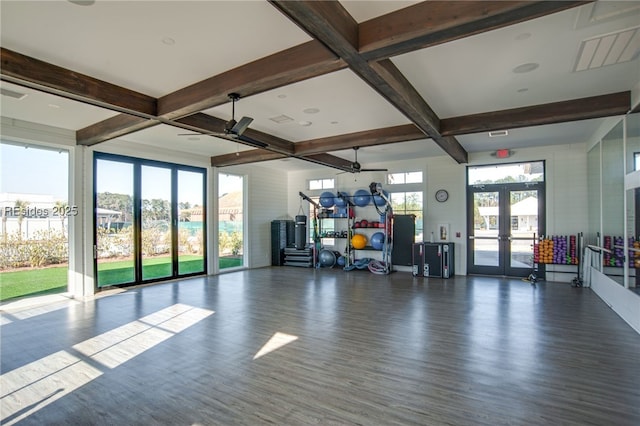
[[51, 280], [33, 282], [36, 282]]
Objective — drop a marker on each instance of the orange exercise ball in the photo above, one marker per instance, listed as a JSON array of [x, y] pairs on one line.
[[358, 241]]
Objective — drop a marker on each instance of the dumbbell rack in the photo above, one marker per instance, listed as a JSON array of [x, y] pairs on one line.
[[558, 250]]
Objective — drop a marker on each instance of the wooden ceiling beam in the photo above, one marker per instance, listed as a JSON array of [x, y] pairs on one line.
[[30, 72], [434, 22], [111, 128], [401, 133], [331, 24], [258, 155], [536, 115], [245, 157], [289, 66]]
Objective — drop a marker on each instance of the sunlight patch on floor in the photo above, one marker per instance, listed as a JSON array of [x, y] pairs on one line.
[[276, 341], [29, 388]]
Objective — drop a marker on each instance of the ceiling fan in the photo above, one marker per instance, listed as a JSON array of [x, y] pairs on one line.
[[233, 130], [357, 167]]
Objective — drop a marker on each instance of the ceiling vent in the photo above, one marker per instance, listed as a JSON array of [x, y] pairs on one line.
[[281, 119], [498, 133], [614, 48], [12, 94]]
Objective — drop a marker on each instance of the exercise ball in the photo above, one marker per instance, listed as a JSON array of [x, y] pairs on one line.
[[358, 241], [377, 240], [327, 258], [341, 260], [362, 198], [326, 199], [378, 200], [341, 199]]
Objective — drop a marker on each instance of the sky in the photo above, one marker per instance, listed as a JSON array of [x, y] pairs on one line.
[[34, 170], [37, 170]]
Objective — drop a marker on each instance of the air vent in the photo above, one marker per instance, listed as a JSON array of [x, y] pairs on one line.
[[12, 94], [281, 119], [498, 133], [614, 48]]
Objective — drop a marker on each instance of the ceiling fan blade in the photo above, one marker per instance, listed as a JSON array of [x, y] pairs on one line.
[[374, 170], [201, 134], [252, 142], [241, 125]]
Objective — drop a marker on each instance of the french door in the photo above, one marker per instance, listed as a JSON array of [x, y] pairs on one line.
[[149, 220], [503, 220]]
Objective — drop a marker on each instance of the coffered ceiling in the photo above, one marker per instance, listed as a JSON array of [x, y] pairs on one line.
[[401, 79]]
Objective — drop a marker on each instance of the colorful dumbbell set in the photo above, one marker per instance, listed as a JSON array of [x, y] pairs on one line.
[[558, 250], [616, 245]]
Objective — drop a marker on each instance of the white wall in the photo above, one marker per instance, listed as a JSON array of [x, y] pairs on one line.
[[267, 200]]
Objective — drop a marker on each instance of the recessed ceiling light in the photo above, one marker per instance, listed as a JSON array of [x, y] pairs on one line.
[[311, 111], [523, 36], [193, 138], [53, 106], [334, 122], [168, 41], [282, 96], [524, 68], [524, 89], [305, 123]]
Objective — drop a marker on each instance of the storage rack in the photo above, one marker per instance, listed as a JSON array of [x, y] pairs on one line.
[[557, 250]]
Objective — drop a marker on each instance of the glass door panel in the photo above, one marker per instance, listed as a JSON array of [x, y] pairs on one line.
[[191, 235], [155, 214], [505, 219], [484, 238], [523, 213], [230, 221], [114, 223]]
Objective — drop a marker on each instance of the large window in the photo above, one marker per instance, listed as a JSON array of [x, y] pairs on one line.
[[149, 220], [321, 184], [409, 203], [230, 221], [406, 192], [35, 211]]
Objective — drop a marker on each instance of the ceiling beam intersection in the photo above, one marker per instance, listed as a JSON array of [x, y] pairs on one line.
[[332, 25]]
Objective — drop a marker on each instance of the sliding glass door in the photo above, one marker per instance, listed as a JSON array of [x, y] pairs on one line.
[[114, 247], [156, 219], [191, 214], [230, 221], [150, 220]]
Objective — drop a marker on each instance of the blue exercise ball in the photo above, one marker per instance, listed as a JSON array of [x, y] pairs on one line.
[[341, 261], [377, 240], [327, 199], [378, 200], [327, 258], [362, 198], [341, 198]]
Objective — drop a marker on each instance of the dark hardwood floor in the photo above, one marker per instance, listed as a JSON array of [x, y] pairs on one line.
[[354, 348]]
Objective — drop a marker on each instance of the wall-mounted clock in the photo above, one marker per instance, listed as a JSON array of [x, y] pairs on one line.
[[442, 195]]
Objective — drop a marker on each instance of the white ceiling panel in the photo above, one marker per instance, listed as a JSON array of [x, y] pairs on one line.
[[125, 42], [50, 110], [344, 104], [475, 74]]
